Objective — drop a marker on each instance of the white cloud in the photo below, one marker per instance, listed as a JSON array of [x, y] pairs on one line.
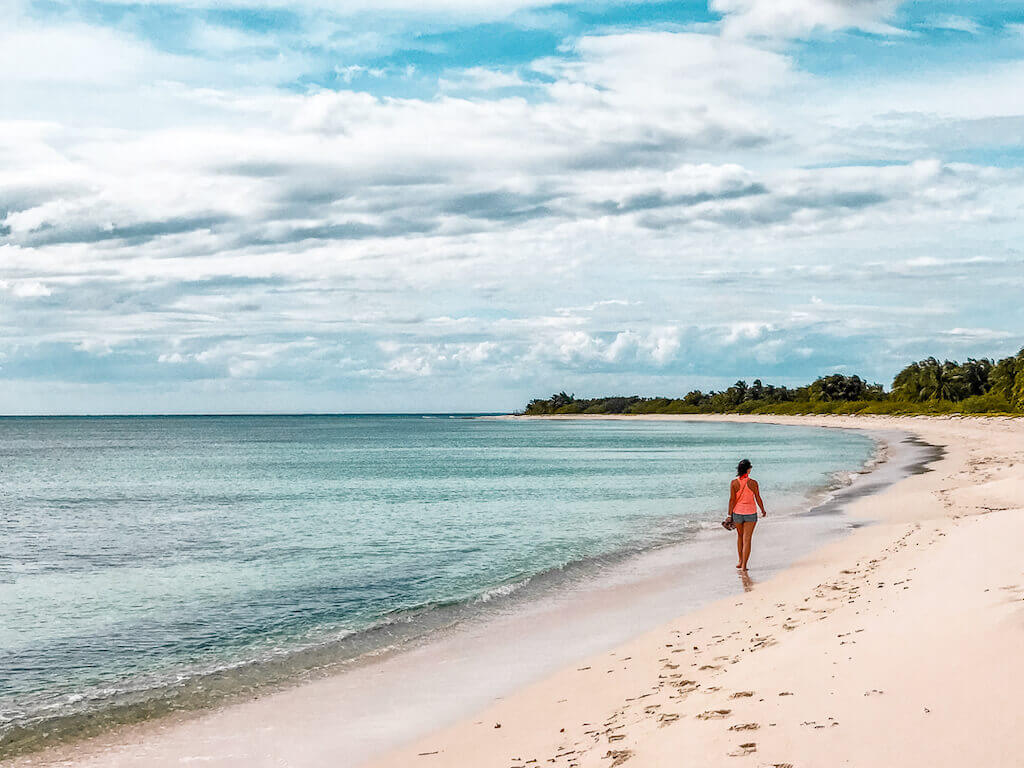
[[352, 71], [425, 360], [83, 55], [481, 79], [25, 289], [657, 347], [96, 346], [799, 18], [955, 24], [587, 308], [978, 334], [747, 331]]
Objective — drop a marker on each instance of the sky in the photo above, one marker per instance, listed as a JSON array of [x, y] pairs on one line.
[[452, 205]]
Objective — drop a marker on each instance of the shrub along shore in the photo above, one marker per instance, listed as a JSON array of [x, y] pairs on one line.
[[977, 386]]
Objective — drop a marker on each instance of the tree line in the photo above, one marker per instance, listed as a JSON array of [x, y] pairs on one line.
[[926, 386]]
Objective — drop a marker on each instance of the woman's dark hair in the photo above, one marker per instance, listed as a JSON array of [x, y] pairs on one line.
[[743, 467]]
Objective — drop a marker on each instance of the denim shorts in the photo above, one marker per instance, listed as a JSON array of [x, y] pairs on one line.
[[736, 518]]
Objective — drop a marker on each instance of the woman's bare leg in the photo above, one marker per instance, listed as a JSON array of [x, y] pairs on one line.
[[739, 545], [748, 532]]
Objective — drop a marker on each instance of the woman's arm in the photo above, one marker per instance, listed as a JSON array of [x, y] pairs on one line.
[[757, 496], [732, 495]]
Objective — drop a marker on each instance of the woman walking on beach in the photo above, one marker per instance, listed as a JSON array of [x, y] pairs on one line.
[[744, 499]]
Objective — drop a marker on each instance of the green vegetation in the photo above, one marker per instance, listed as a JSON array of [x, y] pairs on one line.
[[925, 387]]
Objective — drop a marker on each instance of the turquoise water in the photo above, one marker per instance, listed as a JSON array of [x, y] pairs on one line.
[[149, 562]]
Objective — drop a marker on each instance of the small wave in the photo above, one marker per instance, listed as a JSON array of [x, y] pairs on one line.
[[879, 456], [503, 590], [847, 477]]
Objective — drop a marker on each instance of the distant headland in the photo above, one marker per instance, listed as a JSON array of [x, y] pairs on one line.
[[976, 386]]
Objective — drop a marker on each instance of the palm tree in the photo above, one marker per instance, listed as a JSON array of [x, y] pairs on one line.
[[1003, 375], [973, 376], [907, 384], [737, 393], [939, 380], [1017, 394], [562, 399], [840, 387]]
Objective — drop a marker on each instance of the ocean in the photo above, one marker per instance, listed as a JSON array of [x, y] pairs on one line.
[[151, 564]]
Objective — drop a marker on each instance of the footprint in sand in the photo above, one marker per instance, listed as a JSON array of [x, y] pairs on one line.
[[744, 727], [714, 714], [667, 719], [742, 695], [618, 756], [744, 749]]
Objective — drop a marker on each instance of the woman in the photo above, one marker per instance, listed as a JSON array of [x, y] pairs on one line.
[[743, 494]]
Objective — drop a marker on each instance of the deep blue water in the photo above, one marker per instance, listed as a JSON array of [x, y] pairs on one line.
[[139, 554]]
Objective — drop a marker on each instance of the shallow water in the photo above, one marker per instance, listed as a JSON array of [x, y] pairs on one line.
[[147, 563]]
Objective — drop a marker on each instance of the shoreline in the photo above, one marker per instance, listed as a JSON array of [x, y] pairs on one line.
[[109, 748], [898, 644]]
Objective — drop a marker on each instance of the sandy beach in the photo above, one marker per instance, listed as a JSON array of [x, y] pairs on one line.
[[898, 645], [895, 645]]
